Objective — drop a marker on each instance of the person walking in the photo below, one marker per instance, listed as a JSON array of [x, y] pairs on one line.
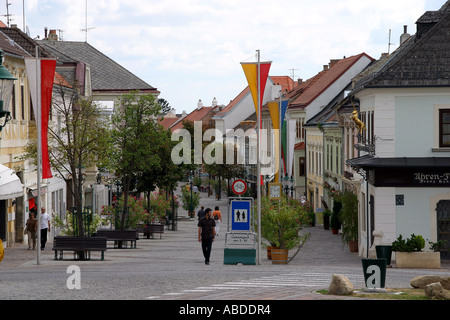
[[206, 234], [201, 213], [45, 227], [31, 230], [217, 216]]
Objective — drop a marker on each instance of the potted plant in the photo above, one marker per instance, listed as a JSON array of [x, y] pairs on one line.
[[409, 254], [349, 219], [281, 222], [335, 222], [191, 200]]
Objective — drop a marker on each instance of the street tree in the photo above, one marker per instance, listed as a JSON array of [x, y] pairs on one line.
[[166, 174], [77, 140], [165, 106], [136, 137]]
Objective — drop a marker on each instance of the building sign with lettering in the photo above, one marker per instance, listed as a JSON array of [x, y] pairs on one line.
[[410, 177], [424, 178]]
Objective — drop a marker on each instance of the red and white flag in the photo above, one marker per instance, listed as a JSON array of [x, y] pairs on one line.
[[46, 69]]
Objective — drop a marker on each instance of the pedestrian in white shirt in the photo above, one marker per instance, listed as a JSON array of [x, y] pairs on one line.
[[45, 227]]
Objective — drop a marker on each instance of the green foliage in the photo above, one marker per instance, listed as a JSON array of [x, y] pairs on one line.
[[437, 246], [160, 203], [67, 226], [282, 220], [349, 216], [335, 221], [137, 214], [80, 140], [189, 201], [412, 244], [136, 138]]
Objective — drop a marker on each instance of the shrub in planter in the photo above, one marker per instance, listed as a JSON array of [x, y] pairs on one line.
[[349, 217], [409, 253], [335, 222], [281, 222], [412, 244]]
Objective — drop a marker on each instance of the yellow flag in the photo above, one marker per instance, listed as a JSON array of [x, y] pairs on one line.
[[2, 252], [251, 73]]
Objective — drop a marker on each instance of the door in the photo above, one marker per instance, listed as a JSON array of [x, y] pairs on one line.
[[443, 226]]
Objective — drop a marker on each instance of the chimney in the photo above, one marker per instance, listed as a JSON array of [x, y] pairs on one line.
[[405, 36], [299, 81], [45, 33], [325, 67], [214, 102], [199, 104], [53, 36], [333, 62]]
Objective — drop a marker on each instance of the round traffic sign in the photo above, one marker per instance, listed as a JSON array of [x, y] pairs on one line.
[[239, 187]]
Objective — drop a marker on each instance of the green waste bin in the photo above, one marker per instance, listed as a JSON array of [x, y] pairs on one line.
[[384, 251], [374, 273]]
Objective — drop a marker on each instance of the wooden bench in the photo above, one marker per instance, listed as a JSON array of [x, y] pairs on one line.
[[77, 245], [150, 229], [119, 236]]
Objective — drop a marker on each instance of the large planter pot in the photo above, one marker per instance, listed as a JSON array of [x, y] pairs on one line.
[[353, 246], [425, 260], [384, 251], [335, 231], [279, 256], [372, 278]]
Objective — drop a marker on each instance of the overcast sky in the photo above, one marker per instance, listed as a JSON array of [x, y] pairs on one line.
[[192, 49]]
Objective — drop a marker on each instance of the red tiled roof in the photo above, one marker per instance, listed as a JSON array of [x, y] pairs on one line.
[[196, 115], [166, 122], [315, 86], [286, 83]]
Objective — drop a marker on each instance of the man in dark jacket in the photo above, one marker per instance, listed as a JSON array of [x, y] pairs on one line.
[[206, 233], [201, 213]]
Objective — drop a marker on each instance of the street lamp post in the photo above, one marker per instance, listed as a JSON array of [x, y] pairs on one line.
[[286, 184], [191, 184], [292, 186], [267, 180]]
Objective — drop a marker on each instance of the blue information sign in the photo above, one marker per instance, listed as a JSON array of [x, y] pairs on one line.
[[240, 215]]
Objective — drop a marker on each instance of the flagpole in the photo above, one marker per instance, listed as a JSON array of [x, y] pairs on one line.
[[258, 166], [39, 152], [279, 138]]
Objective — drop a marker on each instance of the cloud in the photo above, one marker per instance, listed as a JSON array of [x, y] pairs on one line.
[[192, 49]]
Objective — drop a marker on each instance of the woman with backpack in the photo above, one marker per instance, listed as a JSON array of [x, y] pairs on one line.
[[217, 218]]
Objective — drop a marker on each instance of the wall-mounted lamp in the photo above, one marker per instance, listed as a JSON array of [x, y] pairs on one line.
[[6, 86]]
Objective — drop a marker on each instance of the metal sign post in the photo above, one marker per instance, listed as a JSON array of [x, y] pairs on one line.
[[240, 240]]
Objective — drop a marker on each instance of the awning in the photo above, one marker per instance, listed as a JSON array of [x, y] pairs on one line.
[[10, 185], [368, 162], [432, 172]]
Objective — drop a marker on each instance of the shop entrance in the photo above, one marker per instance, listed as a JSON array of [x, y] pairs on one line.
[[443, 226]]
